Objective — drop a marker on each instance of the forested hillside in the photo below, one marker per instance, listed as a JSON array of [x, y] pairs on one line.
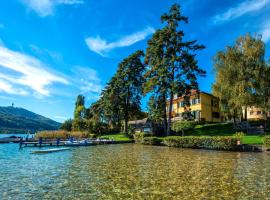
[[19, 120]]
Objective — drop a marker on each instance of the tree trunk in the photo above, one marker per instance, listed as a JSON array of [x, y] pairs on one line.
[[245, 113], [164, 113], [170, 115], [126, 112]]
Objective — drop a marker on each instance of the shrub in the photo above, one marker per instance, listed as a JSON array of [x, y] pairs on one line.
[[151, 141], [138, 136], [266, 141], [92, 135], [207, 142], [239, 135], [183, 126], [67, 125], [78, 134]]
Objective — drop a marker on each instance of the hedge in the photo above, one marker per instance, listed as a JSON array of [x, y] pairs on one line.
[[266, 141], [139, 136], [151, 141], [206, 142]]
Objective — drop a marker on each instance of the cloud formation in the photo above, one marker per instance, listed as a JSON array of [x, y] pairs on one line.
[[102, 47], [88, 81], [241, 9], [46, 7], [22, 74]]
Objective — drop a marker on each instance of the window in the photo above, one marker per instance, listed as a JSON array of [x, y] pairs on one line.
[[251, 112], [259, 112], [216, 114]]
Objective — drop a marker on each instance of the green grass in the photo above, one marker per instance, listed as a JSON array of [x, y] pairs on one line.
[[223, 129], [116, 137], [252, 139]]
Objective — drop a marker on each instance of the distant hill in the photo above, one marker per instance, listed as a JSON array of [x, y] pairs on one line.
[[19, 120]]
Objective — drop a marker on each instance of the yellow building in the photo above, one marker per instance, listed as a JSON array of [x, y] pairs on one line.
[[255, 113], [203, 107]]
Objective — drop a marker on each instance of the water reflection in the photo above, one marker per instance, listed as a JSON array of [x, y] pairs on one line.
[[135, 172]]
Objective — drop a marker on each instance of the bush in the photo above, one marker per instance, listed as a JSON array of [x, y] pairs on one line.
[[266, 141], [239, 135], [92, 135], [67, 125], [183, 126], [78, 134], [138, 137], [207, 142], [151, 141]]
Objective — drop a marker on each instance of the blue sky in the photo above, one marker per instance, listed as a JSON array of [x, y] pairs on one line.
[[53, 50]]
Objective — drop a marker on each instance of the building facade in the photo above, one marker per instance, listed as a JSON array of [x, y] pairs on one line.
[[255, 113], [202, 106]]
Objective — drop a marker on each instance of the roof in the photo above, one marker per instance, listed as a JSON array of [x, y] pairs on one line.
[[192, 93], [141, 121]]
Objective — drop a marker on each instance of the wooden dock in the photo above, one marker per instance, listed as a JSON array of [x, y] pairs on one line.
[[54, 143]]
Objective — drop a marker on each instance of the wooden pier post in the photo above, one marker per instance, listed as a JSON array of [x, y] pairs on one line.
[[40, 141], [21, 142]]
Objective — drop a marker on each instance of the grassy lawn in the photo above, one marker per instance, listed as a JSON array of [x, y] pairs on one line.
[[116, 137], [252, 139], [223, 129]]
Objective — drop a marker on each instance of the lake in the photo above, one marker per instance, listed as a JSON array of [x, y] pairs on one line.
[[130, 171], [14, 134]]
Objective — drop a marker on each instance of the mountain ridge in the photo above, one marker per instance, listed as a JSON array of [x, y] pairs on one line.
[[20, 120]]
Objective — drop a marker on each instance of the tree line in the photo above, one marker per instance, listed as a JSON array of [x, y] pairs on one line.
[[168, 67], [242, 77]]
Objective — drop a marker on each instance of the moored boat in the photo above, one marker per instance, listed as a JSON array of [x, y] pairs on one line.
[[49, 150]]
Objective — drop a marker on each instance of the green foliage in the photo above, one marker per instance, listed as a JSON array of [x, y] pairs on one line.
[[151, 141], [155, 111], [183, 126], [79, 107], [67, 125], [252, 139], [91, 135], [138, 136], [79, 125], [239, 135], [19, 120], [240, 72], [173, 67], [266, 141], [207, 142]]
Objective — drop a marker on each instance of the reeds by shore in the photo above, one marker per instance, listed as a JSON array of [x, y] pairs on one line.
[[62, 134]]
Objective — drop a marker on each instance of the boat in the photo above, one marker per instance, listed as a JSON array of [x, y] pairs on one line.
[[79, 143], [49, 150]]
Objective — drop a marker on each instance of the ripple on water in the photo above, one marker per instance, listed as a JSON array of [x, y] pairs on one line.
[[133, 172]]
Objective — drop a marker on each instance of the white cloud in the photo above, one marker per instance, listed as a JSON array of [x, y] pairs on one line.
[[241, 9], [101, 46], [46, 7], [265, 31], [21, 73], [88, 80]]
